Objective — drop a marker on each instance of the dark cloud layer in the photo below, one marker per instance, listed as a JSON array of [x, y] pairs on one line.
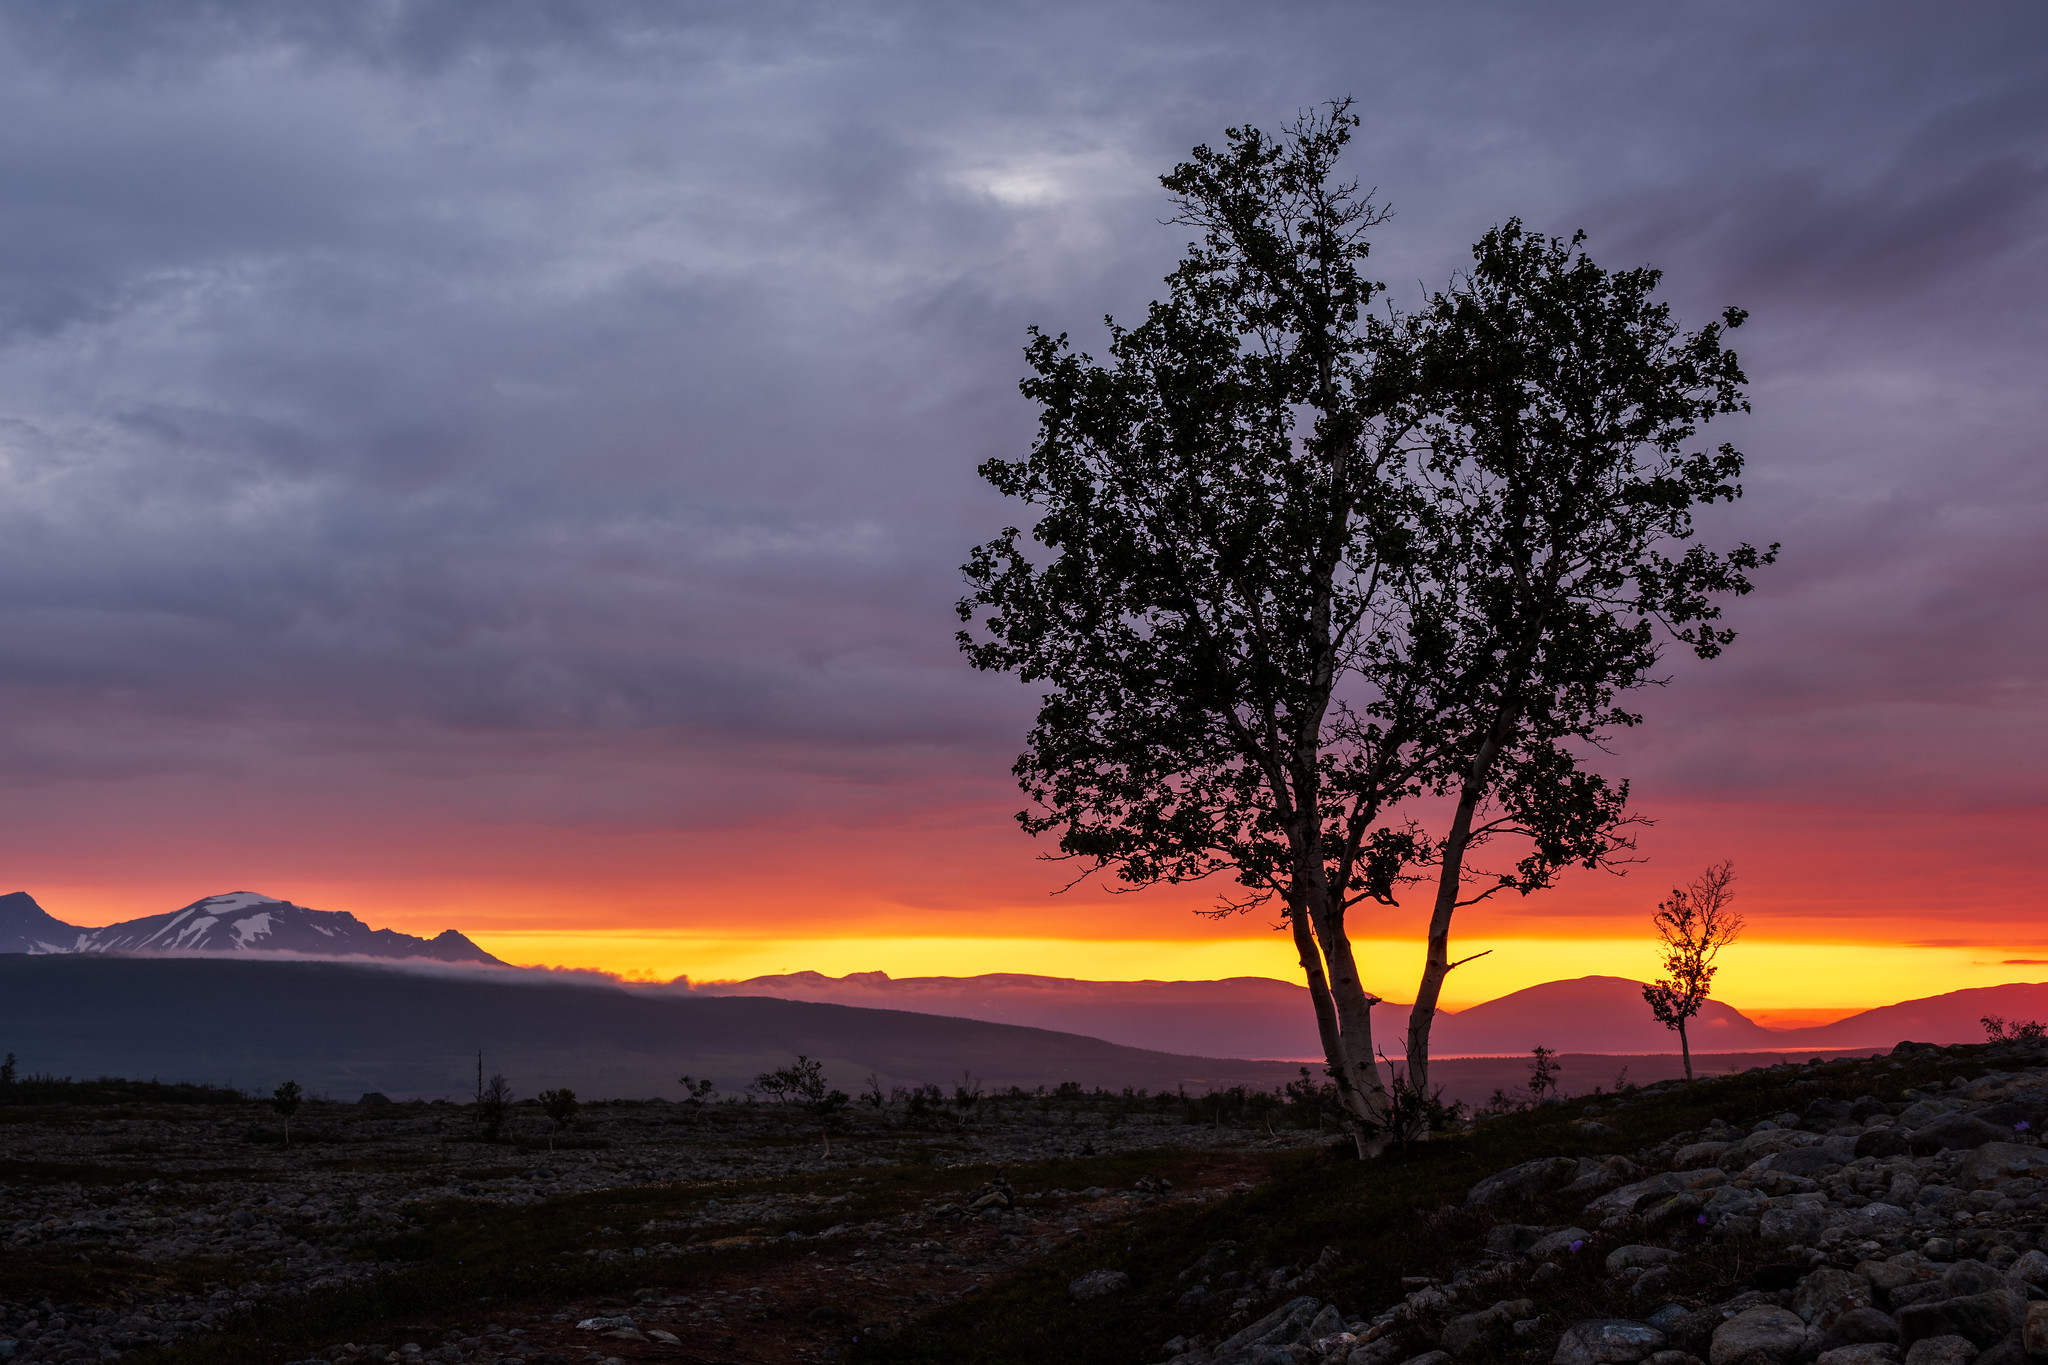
[[512, 380]]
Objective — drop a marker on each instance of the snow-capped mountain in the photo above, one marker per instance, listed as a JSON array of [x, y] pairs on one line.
[[239, 922], [26, 927]]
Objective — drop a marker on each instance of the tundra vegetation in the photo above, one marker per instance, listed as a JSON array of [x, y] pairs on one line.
[[1873, 1202], [1333, 599]]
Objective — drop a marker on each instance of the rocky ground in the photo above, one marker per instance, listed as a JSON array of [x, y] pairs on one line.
[[1856, 1230], [670, 1231]]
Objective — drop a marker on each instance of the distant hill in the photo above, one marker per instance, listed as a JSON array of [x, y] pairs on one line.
[[239, 922], [1242, 1016], [349, 1027], [1601, 1014], [1951, 1018], [1260, 1017]]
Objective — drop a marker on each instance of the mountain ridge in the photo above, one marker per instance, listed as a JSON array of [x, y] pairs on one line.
[[234, 922]]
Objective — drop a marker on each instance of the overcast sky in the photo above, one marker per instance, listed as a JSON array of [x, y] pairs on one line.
[[450, 444]]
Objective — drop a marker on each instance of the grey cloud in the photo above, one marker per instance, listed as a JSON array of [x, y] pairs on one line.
[[558, 372]]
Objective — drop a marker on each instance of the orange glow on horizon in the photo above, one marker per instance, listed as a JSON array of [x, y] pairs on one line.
[[1783, 984]]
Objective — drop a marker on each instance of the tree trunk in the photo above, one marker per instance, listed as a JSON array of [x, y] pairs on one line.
[[1450, 879], [1685, 1049], [1437, 965], [1347, 1042]]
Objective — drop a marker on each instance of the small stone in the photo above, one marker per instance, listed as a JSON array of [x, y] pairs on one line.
[[1771, 1334], [1607, 1341], [1941, 1351], [1098, 1284], [1428, 1358]]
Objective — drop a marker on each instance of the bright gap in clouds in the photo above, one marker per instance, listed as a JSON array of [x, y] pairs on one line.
[[1762, 977]]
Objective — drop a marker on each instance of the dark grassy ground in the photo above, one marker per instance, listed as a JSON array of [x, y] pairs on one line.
[[473, 1259], [1401, 1216]]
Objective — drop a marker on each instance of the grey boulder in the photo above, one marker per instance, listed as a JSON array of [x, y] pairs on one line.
[[1285, 1323], [1799, 1161], [1860, 1327], [1955, 1132], [1826, 1294], [1980, 1319], [1993, 1163], [1099, 1284], [1941, 1351], [1607, 1341], [1798, 1223], [1463, 1333], [1759, 1336], [1874, 1353], [1530, 1180], [1559, 1242]]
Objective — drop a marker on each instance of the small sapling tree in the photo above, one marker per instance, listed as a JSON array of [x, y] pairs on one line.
[[285, 1100], [695, 1092], [803, 1085], [7, 1070], [1543, 1071], [560, 1106], [493, 1107], [1693, 925]]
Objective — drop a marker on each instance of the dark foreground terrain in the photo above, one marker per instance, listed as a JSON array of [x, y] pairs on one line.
[[1855, 1212]]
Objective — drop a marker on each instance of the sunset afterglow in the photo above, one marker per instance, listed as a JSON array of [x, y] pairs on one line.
[[535, 506]]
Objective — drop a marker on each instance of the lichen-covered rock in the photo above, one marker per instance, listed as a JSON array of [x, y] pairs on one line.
[[1530, 1180], [1560, 1243], [1941, 1351], [1098, 1284], [1607, 1341], [1994, 1163], [2034, 1331], [1515, 1239], [1953, 1132], [1859, 1327], [1626, 1199], [1793, 1223], [1605, 1175], [2031, 1268], [1980, 1318], [1810, 1162], [1758, 1336], [1826, 1294], [1970, 1277], [1635, 1257], [1875, 1353], [1284, 1323], [1463, 1333], [1695, 1155]]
